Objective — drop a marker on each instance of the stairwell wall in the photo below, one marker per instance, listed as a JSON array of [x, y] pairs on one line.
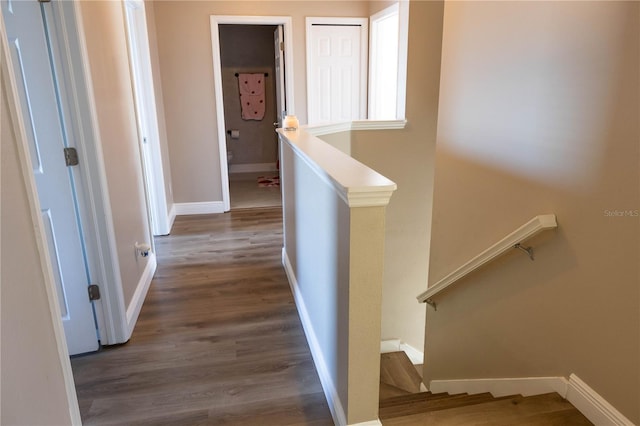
[[407, 157], [539, 107]]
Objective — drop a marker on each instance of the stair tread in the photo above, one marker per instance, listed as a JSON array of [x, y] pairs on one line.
[[409, 398], [397, 370], [569, 416], [519, 410], [389, 391], [428, 405]]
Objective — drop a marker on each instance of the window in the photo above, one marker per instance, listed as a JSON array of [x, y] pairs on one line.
[[388, 62]]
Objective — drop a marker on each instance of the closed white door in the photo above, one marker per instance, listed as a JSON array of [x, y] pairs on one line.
[[40, 100], [336, 72]]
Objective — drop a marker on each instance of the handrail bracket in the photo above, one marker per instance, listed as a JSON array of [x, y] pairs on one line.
[[528, 250], [432, 303]]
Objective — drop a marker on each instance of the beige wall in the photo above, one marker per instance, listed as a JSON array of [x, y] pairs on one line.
[[32, 382], [341, 140], [184, 45], [539, 114], [109, 66], [157, 85], [377, 6], [406, 157]]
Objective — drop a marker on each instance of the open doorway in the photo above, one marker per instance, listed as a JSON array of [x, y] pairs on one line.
[[249, 77], [251, 46]]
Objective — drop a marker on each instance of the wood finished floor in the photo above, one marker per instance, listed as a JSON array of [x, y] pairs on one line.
[[218, 340]]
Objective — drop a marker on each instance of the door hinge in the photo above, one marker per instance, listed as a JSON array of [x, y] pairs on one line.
[[94, 292], [71, 157], [282, 46]]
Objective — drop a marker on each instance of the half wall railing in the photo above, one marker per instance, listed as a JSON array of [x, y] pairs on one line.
[[334, 227]]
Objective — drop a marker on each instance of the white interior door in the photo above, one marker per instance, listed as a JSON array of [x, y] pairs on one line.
[[336, 71], [278, 41], [40, 104]]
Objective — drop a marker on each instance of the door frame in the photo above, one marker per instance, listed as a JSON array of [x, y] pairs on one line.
[[144, 99], [364, 54], [216, 20], [80, 118]]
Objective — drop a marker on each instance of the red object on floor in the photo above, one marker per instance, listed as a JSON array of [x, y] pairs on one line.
[[268, 181]]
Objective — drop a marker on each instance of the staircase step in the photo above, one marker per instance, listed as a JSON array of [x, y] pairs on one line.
[[397, 370], [390, 391], [436, 404], [569, 416], [409, 398], [548, 409]]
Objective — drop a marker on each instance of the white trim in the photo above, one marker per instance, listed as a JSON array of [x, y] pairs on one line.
[[172, 216], [376, 422], [525, 386], [402, 8], [523, 233], [327, 128], [355, 183], [379, 124], [390, 345], [346, 126], [9, 83], [403, 49], [199, 208], [252, 168], [133, 311], [99, 234], [592, 405], [416, 356], [364, 53], [144, 99], [397, 345], [215, 20], [329, 388], [374, 35]]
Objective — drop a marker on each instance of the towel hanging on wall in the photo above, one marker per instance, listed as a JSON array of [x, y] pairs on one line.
[[252, 96]]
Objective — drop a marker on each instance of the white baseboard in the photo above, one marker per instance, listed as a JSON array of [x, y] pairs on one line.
[[396, 345], [390, 345], [586, 400], [524, 386], [329, 388], [369, 423], [133, 310], [253, 168], [209, 207], [592, 405], [172, 216]]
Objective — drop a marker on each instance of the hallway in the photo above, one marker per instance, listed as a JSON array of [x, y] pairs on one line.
[[218, 340]]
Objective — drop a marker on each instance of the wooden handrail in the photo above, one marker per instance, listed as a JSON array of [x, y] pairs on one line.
[[513, 240]]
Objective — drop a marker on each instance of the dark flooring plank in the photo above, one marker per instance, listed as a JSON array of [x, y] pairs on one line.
[[218, 340]]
